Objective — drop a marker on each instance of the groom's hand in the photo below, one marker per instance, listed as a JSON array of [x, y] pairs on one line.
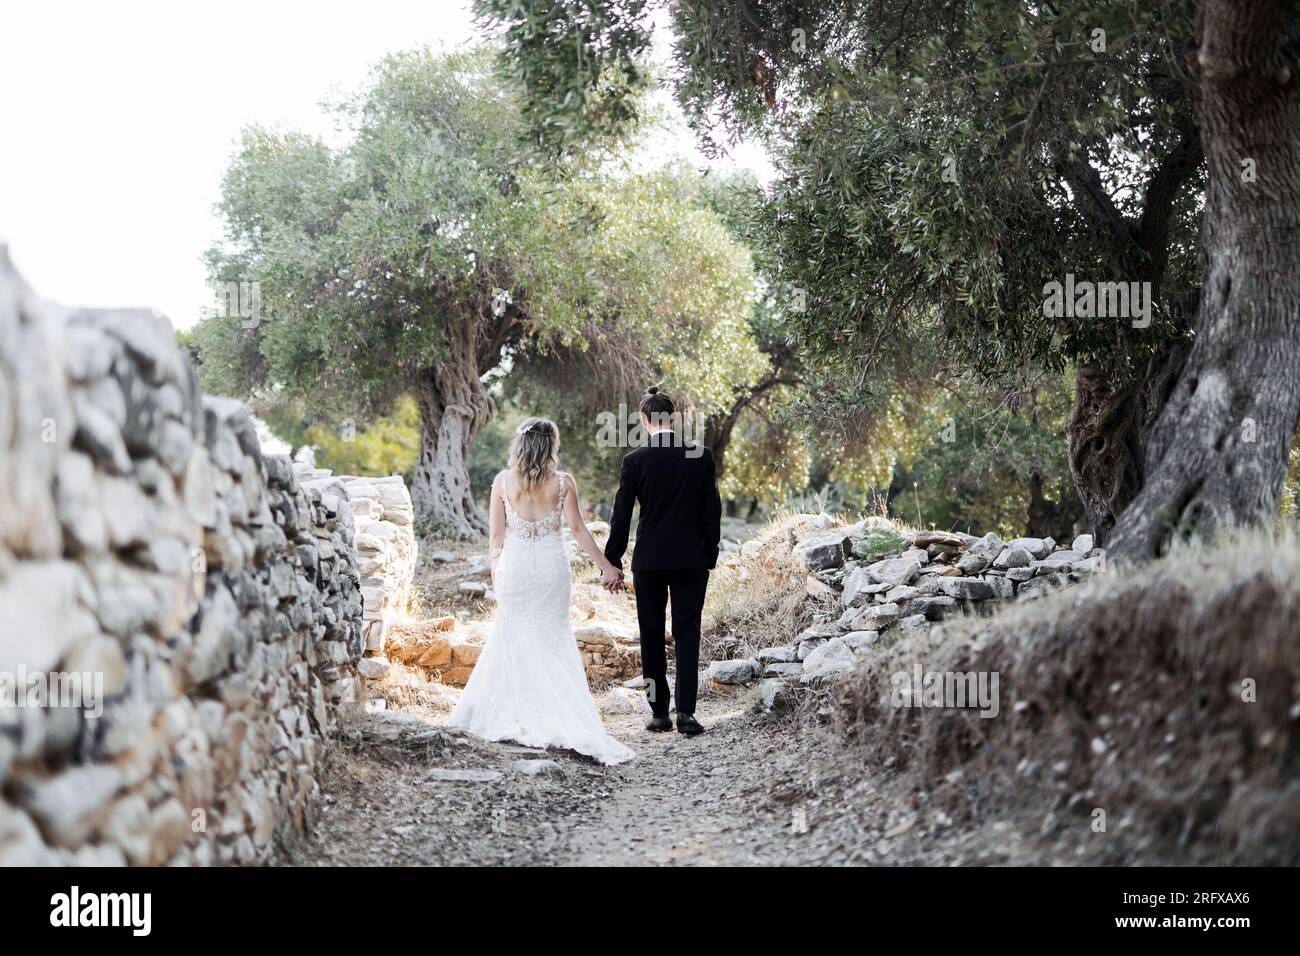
[[611, 579]]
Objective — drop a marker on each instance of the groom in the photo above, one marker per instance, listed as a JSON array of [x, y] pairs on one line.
[[676, 546]]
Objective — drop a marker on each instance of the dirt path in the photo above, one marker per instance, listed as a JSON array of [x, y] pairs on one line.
[[715, 799], [751, 791]]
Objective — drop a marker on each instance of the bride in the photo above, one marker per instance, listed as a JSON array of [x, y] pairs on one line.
[[528, 685]]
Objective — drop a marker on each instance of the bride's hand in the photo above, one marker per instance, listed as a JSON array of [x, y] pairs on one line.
[[610, 578]]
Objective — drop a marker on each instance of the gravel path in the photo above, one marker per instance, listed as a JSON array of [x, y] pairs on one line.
[[727, 797], [751, 791]]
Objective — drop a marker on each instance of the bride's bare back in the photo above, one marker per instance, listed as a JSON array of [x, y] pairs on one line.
[[535, 503]]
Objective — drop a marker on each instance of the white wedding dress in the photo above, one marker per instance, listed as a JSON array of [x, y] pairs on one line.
[[528, 685]]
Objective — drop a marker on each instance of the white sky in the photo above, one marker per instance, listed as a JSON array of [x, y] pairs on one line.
[[120, 117]]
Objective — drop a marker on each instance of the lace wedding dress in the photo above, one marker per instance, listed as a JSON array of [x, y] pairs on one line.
[[528, 685]]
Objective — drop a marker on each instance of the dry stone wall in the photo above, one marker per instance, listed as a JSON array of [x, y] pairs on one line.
[[180, 616], [872, 580], [385, 544]]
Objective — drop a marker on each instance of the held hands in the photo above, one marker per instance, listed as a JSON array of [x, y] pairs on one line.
[[611, 579]]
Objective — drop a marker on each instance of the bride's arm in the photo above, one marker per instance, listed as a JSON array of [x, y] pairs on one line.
[[573, 514], [496, 527]]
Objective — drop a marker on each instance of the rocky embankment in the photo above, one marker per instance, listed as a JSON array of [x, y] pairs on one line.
[[872, 580]]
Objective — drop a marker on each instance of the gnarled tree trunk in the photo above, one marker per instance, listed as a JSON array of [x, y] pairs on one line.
[[1217, 454], [454, 406], [1106, 436]]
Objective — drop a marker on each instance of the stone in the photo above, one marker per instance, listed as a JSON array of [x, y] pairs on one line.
[[775, 696], [859, 640], [465, 654], [1013, 557], [149, 337], [899, 594], [602, 634], [967, 589], [70, 805], [784, 654], [96, 654], [1040, 586], [456, 676], [373, 668], [537, 768], [859, 586], [815, 588], [1037, 547], [78, 501], [1091, 565], [876, 618], [805, 648], [733, 672], [933, 607], [989, 545], [444, 775], [823, 551], [894, 571], [817, 631], [217, 637], [789, 671], [622, 700], [972, 563], [1002, 586], [925, 539], [1083, 544], [42, 598], [942, 552], [828, 663], [21, 843], [1057, 561], [913, 621], [473, 588], [101, 438]]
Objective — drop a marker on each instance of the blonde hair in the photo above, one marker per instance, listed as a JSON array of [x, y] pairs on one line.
[[533, 452]]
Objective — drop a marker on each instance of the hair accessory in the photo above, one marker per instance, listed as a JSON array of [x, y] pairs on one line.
[[539, 427]]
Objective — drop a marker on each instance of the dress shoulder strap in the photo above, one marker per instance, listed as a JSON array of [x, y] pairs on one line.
[[564, 489]]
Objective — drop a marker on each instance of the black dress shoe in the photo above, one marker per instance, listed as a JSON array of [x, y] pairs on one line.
[[687, 724], [659, 724]]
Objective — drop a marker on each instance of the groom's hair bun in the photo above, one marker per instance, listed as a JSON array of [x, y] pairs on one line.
[[656, 403]]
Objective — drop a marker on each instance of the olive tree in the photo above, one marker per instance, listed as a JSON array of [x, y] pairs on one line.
[[433, 250]]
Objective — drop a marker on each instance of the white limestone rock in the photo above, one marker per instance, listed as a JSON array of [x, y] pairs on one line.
[[828, 663], [740, 671]]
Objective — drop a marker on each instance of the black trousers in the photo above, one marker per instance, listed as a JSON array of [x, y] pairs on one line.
[[652, 591]]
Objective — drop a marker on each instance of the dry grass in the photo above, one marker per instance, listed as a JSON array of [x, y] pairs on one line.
[[1124, 696], [759, 599], [412, 689]]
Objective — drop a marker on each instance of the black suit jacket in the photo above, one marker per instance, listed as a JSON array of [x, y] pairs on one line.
[[676, 484]]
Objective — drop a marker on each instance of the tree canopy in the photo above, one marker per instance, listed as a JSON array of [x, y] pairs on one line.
[[434, 252], [944, 163]]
